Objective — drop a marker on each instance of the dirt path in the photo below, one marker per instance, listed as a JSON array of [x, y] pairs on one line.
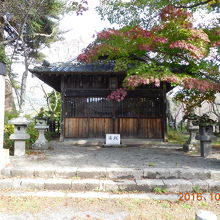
[[38, 208]]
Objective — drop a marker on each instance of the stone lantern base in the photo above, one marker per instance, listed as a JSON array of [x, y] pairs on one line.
[[4, 158]]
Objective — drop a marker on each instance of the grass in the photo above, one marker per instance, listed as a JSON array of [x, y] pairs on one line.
[[177, 136], [160, 190]]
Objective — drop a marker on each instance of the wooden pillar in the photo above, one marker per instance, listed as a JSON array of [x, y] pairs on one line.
[[62, 110], [164, 119]]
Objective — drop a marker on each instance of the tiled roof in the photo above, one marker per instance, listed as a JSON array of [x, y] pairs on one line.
[[77, 68], [51, 75]]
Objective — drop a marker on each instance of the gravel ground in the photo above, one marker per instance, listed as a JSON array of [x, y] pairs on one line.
[[130, 157]]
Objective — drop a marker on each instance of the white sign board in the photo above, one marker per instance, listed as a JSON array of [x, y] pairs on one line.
[[112, 139]]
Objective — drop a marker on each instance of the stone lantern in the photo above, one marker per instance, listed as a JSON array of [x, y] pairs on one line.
[[192, 143], [41, 143], [19, 136], [205, 135]]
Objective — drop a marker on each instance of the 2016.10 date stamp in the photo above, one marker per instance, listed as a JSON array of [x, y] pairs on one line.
[[199, 196]]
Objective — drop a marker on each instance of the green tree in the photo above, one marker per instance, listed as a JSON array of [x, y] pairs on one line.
[[146, 12], [171, 50], [28, 26]]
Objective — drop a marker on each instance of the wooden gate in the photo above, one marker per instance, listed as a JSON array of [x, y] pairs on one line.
[[138, 116]]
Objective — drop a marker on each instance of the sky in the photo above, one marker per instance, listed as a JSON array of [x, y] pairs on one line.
[[79, 33]]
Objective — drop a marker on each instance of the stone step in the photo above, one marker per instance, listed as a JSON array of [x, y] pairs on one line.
[[82, 185], [111, 173]]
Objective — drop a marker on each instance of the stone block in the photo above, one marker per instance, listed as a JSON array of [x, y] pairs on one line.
[[124, 173], [178, 185], [215, 175], [149, 185], [90, 173], [44, 172], [22, 172], [187, 174], [201, 184], [6, 171], [111, 186], [16, 183], [126, 185], [214, 186], [32, 184], [156, 173], [205, 215], [86, 185], [66, 173], [57, 184], [204, 175], [6, 183], [175, 173]]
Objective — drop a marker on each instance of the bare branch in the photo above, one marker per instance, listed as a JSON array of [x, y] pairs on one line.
[[194, 5], [5, 42]]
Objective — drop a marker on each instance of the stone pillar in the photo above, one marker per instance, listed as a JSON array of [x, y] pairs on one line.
[[205, 215], [4, 153]]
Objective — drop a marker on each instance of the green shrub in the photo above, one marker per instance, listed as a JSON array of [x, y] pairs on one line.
[[32, 131], [8, 130]]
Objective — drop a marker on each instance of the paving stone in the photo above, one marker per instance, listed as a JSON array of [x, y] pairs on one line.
[[86, 185], [214, 186], [148, 185], [58, 184], [178, 185], [124, 173], [33, 184], [91, 172], [66, 173]]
